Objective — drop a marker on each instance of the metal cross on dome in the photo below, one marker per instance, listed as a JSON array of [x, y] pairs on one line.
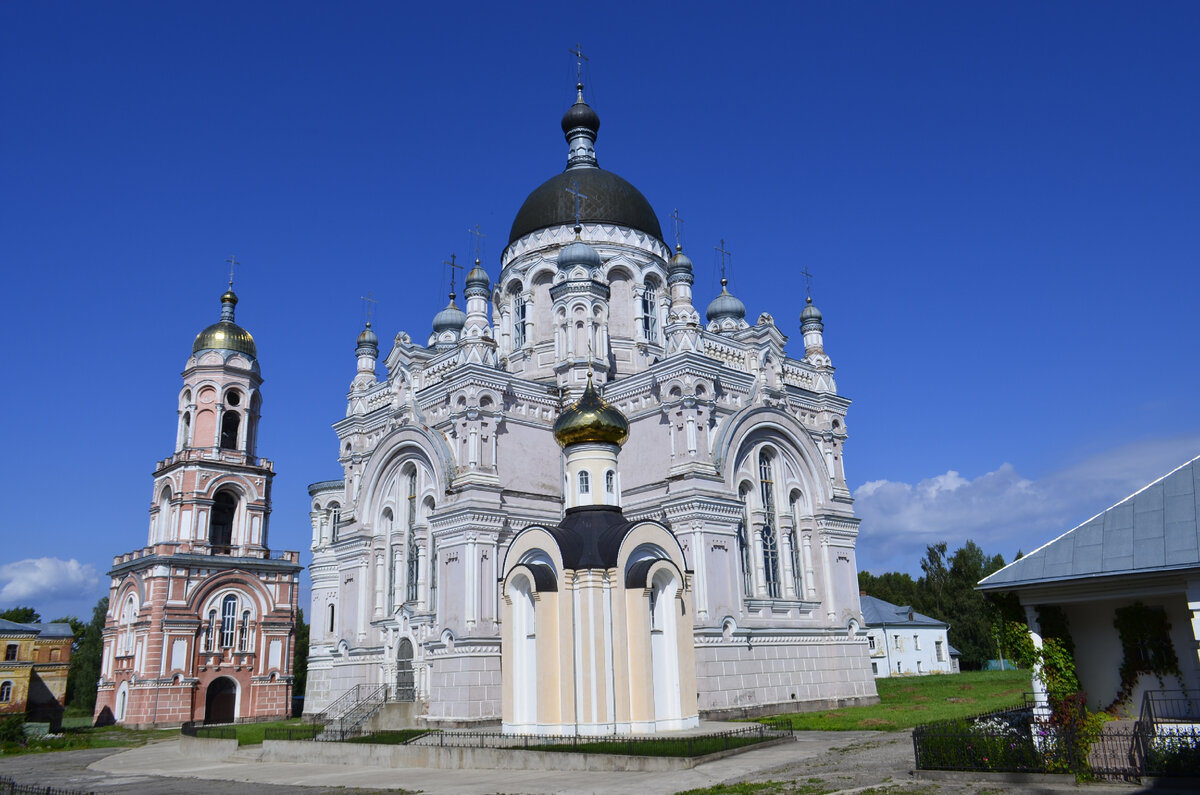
[[579, 59], [807, 282], [368, 305], [479, 236], [232, 263], [453, 263], [678, 219], [574, 191], [724, 253]]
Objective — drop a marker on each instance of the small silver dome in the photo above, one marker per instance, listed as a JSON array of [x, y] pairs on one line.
[[449, 319], [726, 305], [578, 253]]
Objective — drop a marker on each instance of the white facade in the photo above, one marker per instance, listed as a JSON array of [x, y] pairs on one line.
[[903, 642], [735, 448]]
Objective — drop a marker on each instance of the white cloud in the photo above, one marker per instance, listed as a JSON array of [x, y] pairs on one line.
[[1001, 510], [39, 580]]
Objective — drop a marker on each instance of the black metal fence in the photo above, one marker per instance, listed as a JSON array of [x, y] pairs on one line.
[[198, 729], [1165, 741], [10, 787]]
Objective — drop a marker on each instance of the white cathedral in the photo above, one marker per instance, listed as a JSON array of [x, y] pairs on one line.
[[580, 509]]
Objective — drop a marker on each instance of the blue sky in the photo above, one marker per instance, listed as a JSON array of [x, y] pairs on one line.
[[999, 204]]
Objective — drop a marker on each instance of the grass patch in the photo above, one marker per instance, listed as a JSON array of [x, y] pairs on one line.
[[73, 739], [393, 737], [907, 702], [253, 733]]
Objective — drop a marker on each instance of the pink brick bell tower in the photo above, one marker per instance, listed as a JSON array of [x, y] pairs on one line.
[[201, 621]]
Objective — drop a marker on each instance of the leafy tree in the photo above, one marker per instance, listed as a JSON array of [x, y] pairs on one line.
[[21, 615], [896, 587], [85, 661], [300, 656]]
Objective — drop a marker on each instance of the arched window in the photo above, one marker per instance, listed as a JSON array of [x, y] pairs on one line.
[[228, 619], [5, 692], [766, 482], [244, 631], [585, 485], [127, 620], [664, 650], [518, 321], [164, 515], [220, 525], [185, 432], [335, 519], [331, 617], [230, 423], [650, 313], [610, 482], [210, 632]]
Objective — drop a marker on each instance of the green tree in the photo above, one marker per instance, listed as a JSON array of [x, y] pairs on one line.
[[77, 628], [896, 587], [85, 661], [300, 656], [21, 615]]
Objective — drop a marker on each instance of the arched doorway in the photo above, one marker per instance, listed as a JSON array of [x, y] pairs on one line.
[[221, 701], [405, 685]]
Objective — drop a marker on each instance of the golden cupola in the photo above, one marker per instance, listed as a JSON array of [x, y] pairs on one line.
[[591, 419], [225, 335]]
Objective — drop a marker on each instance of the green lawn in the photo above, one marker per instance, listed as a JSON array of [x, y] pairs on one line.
[[75, 737], [252, 733], [909, 701]]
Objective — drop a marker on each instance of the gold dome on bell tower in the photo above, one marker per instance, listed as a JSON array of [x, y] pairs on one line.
[[225, 335]]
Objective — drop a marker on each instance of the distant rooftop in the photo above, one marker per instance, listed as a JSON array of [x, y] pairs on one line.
[[43, 630], [878, 613], [1154, 529]]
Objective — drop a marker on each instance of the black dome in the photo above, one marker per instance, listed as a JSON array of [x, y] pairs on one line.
[[580, 115], [610, 200]]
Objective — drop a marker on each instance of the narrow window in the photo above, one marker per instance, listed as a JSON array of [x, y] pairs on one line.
[[210, 632], [874, 669], [610, 482], [335, 519], [794, 543], [584, 483], [649, 315], [940, 651], [917, 642], [898, 669], [414, 560], [770, 562], [331, 619], [243, 630], [518, 322], [896, 642], [230, 423], [6, 692], [918, 666], [871, 642], [220, 531], [10, 652], [228, 618]]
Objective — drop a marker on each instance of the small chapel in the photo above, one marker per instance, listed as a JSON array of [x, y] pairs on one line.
[[201, 620], [580, 504]]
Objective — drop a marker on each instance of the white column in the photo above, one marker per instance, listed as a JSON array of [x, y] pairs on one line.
[[789, 576], [700, 567], [809, 578], [830, 609], [1041, 703], [380, 584], [361, 619]]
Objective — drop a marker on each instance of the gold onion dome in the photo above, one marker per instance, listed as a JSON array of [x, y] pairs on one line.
[[225, 335], [591, 419]]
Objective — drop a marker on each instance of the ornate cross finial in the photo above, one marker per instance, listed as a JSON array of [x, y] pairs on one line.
[[724, 253], [579, 59], [368, 305], [807, 282], [574, 191], [479, 236], [453, 263], [678, 229], [232, 263]]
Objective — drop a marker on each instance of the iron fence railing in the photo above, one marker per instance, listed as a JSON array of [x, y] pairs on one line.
[[9, 786], [1164, 741]]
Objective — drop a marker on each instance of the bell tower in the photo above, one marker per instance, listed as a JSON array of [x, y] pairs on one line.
[[201, 620]]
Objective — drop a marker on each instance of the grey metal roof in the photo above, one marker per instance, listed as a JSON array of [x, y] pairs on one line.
[[878, 613], [44, 630], [1153, 529]]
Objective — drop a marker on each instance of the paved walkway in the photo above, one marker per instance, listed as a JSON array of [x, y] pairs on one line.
[[845, 762]]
